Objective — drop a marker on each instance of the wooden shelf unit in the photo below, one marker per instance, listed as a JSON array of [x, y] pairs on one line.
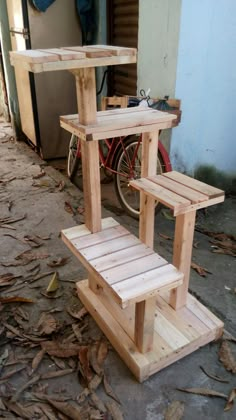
[[140, 301]]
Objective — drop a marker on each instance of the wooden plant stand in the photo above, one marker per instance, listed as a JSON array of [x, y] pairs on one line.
[[138, 299]]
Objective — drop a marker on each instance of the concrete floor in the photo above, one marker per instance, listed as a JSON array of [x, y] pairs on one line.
[[44, 207]]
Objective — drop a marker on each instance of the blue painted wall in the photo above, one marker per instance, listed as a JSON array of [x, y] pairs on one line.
[[206, 83]]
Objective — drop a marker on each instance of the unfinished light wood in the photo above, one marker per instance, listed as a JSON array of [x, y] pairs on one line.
[[114, 101], [38, 61], [179, 192], [118, 122], [144, 324], [131, 273], [176, 333]]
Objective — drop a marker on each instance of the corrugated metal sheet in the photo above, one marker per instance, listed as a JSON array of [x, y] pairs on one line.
[[123, 31]]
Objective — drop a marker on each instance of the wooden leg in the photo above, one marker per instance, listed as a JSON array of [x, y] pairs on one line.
[[183, 242], [144, 324], [147, 204], [91, 185]]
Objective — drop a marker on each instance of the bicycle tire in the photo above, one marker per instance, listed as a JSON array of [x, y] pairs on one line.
[[131, 204], [74, 164]]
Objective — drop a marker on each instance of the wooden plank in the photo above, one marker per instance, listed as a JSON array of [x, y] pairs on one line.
[[86, 95], [144, 324], [169, 332], [147, 203], [76, 232], [202, 205], [33, 56], [212, 192], [116, 50], [182, 255], [91, 52], [99, 238], [202, 313], [52, 65], [115, 275], [180, 189], [63, 55], [166, 197], [118, 258], [108, 247], [147, 284], [105, 114], [127, 350]]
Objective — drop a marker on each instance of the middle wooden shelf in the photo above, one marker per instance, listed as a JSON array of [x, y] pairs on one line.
[[118, 122]]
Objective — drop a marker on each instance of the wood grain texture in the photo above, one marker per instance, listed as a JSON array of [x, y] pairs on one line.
[[144, 324]]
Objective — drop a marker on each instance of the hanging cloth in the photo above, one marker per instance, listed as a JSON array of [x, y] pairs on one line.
[[86, 11], [42, 5]]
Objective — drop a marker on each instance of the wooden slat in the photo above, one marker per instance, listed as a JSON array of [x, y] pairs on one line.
[[144, 324], [118, 51], [91, 52], [62, 54], [33, 56], [115, 275], [119, 258], [108, 247], [212, 192], [166, 197], [186, 192], [100, 237], [169, 332], [76, 232], [147, 284]]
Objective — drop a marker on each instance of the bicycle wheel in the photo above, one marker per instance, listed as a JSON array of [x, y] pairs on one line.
[[128, 196], [74, 164]]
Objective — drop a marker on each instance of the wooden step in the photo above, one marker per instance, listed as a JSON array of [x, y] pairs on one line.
[[118, 122], [120, 262], [179, 192]]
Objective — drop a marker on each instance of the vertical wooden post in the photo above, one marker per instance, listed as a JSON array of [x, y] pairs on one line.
[[144, 324], [147, 204], [183, 243], [87, 108]]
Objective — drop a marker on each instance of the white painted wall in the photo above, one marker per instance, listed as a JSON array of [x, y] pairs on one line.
[[158, 45], [206, 83]]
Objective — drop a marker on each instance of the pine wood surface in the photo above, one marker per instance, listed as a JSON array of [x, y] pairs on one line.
[[176, 333], [131, 270], [118, 122]]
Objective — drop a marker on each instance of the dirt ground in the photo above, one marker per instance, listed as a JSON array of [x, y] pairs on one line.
[[55, 363]]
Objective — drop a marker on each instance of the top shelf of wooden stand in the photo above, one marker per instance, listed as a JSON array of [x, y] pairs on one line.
[[118, 122], [69, 58]]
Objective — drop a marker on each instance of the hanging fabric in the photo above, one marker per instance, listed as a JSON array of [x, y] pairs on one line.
[[42, 5], [86, 11]]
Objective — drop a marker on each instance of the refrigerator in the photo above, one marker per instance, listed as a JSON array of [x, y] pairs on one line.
[[44, 97]]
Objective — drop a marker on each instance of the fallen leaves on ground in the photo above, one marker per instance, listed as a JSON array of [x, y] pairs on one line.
[[226, 357], [68, 207], [200, 270], [223, 243], [31, 256], [230, 402], [78, 315], [59, 262], [13, 299], [211, 393], [175, 411], [114, 410], [39, 175], [7, 279], [6, 221], [215, 377], [53, 284], [47, 324], [168, 238], [58, 349]]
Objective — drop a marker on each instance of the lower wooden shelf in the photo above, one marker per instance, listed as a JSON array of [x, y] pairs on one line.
[[177, 333]]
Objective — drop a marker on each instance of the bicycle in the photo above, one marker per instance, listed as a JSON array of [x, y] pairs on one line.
[[120, 159]]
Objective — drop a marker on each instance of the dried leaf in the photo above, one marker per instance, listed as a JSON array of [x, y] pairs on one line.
[[4, 357], [11, 299], [30, 256], [7, 278], [41, 276], [52, 295], [97, 402], [53, 284], [40, 175], [204, 392], [162, 235], [216, 378], [109, 390], [200, 270], [94, 383], [56, 374], [114, 410], [61, 186], [58, 349], [68, 207], [59, 262], [167, 215], [71, 411], [60, 363], [175, 411], [226, 357], [33, 241], [24, 387], [20, 410], [93, 359], [77, 332], [47, 324], [11, 373], [37, 359], [102, 352], [78, 315], [84, 363], [230, 402]]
